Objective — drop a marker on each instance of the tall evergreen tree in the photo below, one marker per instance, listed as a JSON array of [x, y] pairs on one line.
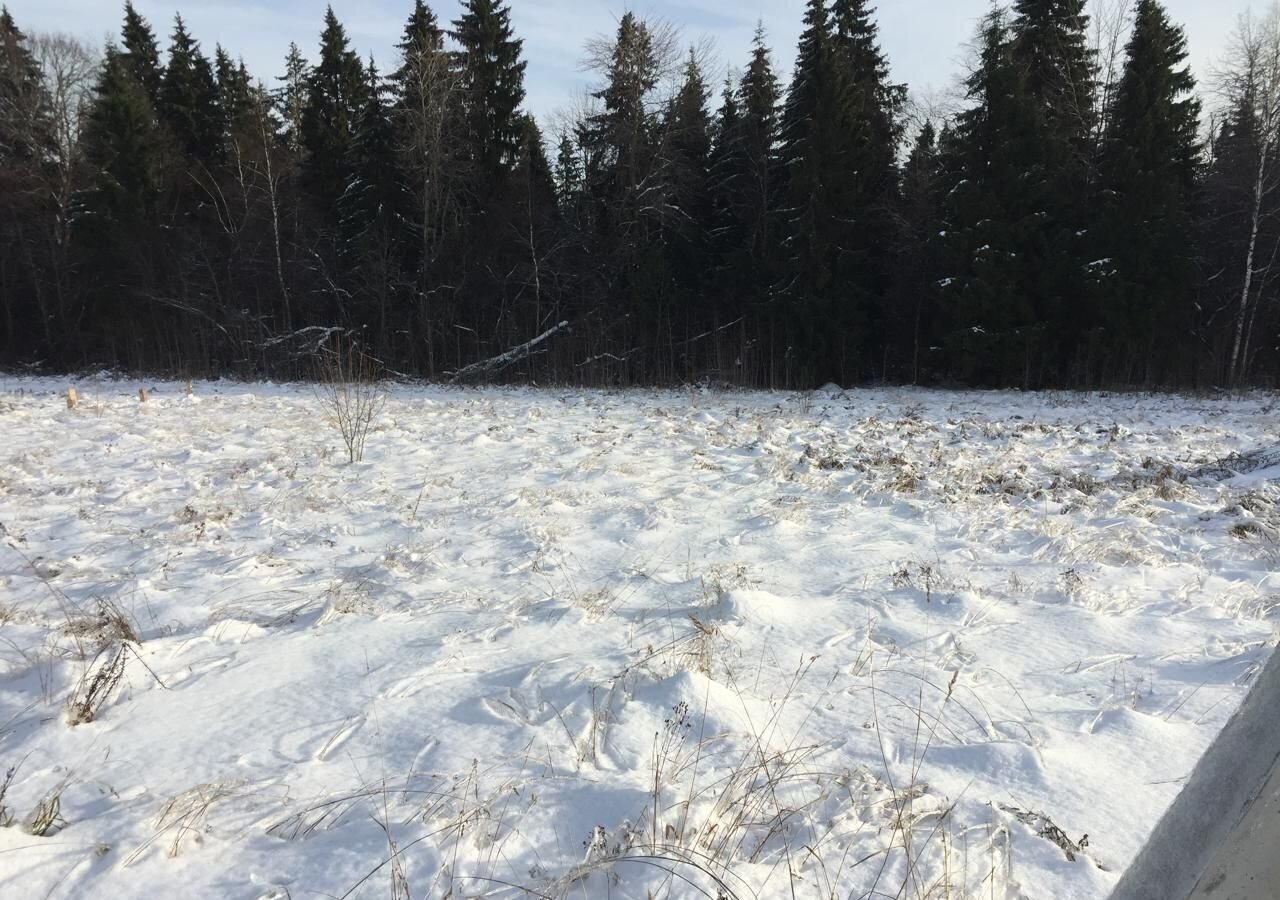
[[28, 150], [26, 113], [117, 229], [372, 210], [1150, 168], [188, 103], [425, 114], [759, 95], [291, 97], [746, 181], [568, 177], [990, 326], [1050, 44], [621, 142], [337, 91], [235, 88], [141, 53], [912, 297], [421, 48], [816, 123], [121, 140], [373, 197], [688, 188], [874, 131], [492, 85]]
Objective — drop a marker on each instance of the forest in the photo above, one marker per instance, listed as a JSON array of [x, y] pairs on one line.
[[1088, 215]]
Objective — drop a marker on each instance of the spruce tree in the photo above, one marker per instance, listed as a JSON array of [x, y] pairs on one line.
[[421, 55], [188, 105], [1150, 169], [235, 89], [291, 97], [424, 107], [120, 246], [121, 141], [874, 129], [816, 124], [877, 102], [1050, 44], [374, 195], [492, 86], [912, 298], [688, 126], [568, 177], [28, 153], [337, 92], [620, 142], [26, 113], [990, 327], [759, 95], [372, 212], [746, 181], [687, 185], [141, 53]]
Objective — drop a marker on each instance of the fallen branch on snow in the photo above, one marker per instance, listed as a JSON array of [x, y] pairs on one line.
[[502, 360]]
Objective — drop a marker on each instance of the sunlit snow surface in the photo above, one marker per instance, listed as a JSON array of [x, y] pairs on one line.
[[865, 641]]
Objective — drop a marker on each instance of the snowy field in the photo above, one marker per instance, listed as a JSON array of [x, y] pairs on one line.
[[550, 643]]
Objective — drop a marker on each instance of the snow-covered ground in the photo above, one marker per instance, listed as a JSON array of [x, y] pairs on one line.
[[626, 645]]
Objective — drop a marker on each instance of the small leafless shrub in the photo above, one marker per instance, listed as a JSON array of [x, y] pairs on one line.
[[96, 686], [352, 392], [100, 681]]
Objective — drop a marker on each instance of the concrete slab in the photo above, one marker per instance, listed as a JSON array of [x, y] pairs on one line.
[[1247, 866], [1221, 836]]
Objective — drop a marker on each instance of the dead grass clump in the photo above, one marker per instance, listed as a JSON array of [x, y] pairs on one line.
[[6, 814], [1168, 489], [46, 818], [184, 816], [1083, 482], [824, 460], [1246, 530], [100, 680], [907, 481], [96, 686], [106, 624]]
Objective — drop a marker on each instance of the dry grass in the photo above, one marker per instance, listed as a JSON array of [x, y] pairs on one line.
[[100, 680], [46, 818], [184, 818], [6, 813]]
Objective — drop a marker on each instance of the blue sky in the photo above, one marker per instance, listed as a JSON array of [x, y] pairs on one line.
[[924, 38]]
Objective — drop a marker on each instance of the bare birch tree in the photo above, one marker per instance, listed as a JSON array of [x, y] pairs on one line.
[[1250, 80]]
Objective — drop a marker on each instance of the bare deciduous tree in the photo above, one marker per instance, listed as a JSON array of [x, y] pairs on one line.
[[70, 67], [1250, 80], [1112, 20]]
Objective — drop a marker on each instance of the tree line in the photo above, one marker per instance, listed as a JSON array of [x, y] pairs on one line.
[[1077, 222]]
